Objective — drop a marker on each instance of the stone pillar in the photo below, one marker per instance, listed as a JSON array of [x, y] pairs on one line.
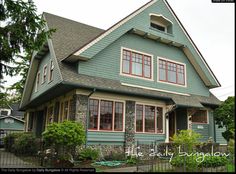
[[81, 109], [72, 109], [129, 124]]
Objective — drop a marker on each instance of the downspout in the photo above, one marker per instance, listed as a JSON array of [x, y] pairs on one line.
[[87, 118]]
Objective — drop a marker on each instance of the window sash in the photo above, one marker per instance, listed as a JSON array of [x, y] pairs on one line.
[[136, 64], [171, 72], [200, 116], [149, 119], [110, 115]]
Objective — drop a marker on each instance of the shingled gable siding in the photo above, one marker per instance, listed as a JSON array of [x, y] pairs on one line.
[[142, 22], [47, 85], [107, 63]]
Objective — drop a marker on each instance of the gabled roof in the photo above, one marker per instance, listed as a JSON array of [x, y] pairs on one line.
[[70, 36]]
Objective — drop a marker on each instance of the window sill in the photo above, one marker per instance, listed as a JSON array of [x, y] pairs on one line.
[[136, 77], [162, 32]]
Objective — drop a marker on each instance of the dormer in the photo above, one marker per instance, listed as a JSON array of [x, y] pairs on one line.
[[161, 23]]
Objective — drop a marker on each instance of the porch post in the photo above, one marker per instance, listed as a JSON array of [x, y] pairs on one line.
[[167, 127]]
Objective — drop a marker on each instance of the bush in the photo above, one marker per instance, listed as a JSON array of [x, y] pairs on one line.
[[9, 141], [26, 144], [64, 135], [191, 162], [187, 138], [115, 156], [131, 160], [88, 154]]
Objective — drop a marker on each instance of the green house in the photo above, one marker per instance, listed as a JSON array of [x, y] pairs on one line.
[[143, 79]]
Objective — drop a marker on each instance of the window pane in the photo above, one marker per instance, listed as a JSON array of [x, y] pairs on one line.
[[93, 114], [180, 74], [149, 119], [126, 65], [66, 110], [159, 120], [162, 70], [118, 116], [147, 67], [200, 116], [106, 115], [139, 118], [171, 72], [137, 65]]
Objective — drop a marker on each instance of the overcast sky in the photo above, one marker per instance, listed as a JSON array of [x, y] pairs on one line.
[[210, 25]]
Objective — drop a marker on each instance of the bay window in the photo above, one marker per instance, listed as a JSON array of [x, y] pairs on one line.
[[149, 119], [136, 64], [171, 72], [106, 115]]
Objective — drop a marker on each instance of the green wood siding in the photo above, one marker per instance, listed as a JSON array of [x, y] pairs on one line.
[[46, 85], [108, 138], [211, 124], [142, 22], [148, 138], [106, 64], [203, 131], [16, 125], [219, 138]]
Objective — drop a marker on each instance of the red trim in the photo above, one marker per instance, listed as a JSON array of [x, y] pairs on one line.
[[166, 71], [122, 116], [131, 63]]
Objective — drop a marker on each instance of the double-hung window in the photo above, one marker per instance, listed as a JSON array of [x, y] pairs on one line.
[[149, 119], [51, 71], [136, 64], [106, 115], [200, 116], [171, 72]]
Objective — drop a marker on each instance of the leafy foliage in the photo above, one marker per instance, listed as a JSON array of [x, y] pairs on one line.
[[131, 160], [225, 116], [186, 138], [26, 144], [22, 32], [88, 154], [66, 134], [9, 141], [191, 162]]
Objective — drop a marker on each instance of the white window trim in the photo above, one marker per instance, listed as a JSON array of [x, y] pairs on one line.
[[44, 72], [207, 111], [51, 62], [160, 15], [99, 103], [169, 60], [36, 82], [163, 119], [133, 76]]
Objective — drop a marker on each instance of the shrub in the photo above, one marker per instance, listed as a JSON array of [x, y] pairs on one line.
[[9, 141], [88, 154], [26, 144], [186, 138], [131, 160], [64, 135], [191, 162], [115, 156]]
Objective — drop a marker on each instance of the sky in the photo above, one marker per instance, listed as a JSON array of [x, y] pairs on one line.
[[210, 25]]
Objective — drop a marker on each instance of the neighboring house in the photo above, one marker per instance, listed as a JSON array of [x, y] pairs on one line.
[[11, 120], [143, 79]]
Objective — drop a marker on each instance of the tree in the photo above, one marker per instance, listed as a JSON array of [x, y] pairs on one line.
[[21, 32], [225, 117]]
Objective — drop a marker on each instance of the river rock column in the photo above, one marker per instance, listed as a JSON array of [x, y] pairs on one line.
[[129, 124], [81, 109]]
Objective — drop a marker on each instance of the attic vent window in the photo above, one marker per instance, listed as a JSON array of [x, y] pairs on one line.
[[161, 23], [158, 27]]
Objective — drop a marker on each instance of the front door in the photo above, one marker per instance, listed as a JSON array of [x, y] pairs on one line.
[[171, 125]]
